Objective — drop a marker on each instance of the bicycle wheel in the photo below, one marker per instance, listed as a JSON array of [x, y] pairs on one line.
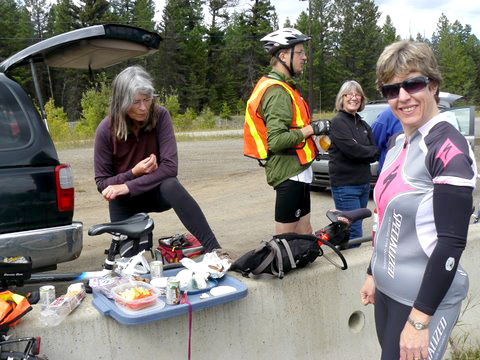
[[334, 256]]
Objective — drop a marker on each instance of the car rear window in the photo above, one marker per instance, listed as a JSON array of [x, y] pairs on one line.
[[14, 127], [370, 113], [462, 119]]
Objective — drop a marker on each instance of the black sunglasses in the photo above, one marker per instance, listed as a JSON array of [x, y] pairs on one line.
[[411, 86]]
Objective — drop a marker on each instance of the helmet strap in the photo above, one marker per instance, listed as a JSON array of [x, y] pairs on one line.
[[292, 53], [289, 68]]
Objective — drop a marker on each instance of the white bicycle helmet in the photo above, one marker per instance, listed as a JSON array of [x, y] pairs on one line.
[[283, 39]]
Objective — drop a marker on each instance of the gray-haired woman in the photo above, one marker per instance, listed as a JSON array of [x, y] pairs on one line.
[[351, 152], [136, 160]]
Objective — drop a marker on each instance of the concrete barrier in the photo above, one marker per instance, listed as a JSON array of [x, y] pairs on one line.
[[313, 313]]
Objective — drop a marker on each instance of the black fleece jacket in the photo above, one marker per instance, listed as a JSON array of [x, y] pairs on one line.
[[353, 149]]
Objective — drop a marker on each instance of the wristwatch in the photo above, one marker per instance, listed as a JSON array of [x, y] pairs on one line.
[[417, 324]]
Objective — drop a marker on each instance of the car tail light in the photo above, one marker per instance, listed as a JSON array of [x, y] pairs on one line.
[[65, 189], [36, 348]]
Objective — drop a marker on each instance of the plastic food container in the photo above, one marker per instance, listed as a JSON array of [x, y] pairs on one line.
[[120, 295], [106, 283]]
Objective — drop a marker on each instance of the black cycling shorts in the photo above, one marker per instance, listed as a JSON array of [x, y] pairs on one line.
[[293, 201]]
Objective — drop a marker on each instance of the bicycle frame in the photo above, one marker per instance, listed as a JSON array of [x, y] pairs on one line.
[[32, 348]]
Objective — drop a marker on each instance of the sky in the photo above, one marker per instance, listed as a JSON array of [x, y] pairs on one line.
[[408, 16]]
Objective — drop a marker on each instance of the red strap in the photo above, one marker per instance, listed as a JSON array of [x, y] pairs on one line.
[[185, 301]]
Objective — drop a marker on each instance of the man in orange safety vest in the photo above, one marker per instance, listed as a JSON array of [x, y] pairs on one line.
[[278, 130]]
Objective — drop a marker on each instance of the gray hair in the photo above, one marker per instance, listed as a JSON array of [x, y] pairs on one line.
[[132, 81], [346, 88]]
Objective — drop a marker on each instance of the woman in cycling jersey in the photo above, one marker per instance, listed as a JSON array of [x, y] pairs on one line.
[[424, 201]]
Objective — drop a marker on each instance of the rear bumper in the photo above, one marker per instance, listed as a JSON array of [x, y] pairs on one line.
[[321, 176], [46, 247]]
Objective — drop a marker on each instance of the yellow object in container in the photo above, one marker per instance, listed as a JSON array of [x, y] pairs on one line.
[[325, 142]]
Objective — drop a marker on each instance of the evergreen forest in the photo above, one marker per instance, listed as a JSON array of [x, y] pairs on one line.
[[211, 57]]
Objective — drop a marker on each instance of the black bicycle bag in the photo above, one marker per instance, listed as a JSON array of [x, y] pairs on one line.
[[280, 255]]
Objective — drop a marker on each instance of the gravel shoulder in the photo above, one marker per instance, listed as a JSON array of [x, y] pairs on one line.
[[229, 187]]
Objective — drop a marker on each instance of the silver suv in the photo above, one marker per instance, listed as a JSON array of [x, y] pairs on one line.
[[463, 118]]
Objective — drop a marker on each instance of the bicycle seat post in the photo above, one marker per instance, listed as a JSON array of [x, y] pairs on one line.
[[113, 250]]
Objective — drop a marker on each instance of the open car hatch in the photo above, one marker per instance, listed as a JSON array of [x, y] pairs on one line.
[[89, 48]]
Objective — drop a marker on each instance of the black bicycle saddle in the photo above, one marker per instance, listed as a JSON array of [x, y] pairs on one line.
[[352, 215], [134, 227]]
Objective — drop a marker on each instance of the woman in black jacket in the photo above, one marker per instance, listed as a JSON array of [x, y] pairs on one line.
[[351, 152]]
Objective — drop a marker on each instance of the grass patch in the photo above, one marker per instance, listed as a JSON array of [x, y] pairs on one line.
[[323, 116], [235, 123], [74, 144], [470, 354], [462, 346], [183, 138], [82, 144]]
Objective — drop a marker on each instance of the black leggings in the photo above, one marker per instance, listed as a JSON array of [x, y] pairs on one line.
[[391, 316], [169, 194]]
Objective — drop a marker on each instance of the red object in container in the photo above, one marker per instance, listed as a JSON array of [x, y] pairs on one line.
[[141, 302]]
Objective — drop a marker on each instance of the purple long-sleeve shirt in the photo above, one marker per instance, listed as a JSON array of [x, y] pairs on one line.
[[114, 162]]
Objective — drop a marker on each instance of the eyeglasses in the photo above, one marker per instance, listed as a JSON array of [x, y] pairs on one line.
[[146, 101], [351, 96], [300, 53], [411, 86]]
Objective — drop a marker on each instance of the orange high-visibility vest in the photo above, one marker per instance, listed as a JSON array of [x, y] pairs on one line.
[[12, 308], [255, 129]]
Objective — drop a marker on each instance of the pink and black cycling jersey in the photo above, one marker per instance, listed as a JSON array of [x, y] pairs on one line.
[[435, 154]]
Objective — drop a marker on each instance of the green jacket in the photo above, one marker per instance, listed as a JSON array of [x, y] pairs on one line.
[[276, 109]]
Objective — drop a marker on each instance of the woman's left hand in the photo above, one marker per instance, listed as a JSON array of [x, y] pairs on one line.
[[111, 192], [413, 343]]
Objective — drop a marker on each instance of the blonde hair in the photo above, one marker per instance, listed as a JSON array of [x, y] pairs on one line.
[[346, 88], [132, 81], [404, 57]]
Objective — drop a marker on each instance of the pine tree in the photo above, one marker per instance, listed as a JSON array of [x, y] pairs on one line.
[[63, 17], [359, 43], [389, 33], [183, 52], [457, 66], [245, 58], [143, 13], [38, 10], [93, 12], [322, 44], [216, 81], [15, 28]]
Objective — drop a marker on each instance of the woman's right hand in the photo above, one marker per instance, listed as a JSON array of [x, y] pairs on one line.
[[367, 292], [145, 166]]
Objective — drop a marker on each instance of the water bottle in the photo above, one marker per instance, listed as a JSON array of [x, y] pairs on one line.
[[58, 310], [325, 142]]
